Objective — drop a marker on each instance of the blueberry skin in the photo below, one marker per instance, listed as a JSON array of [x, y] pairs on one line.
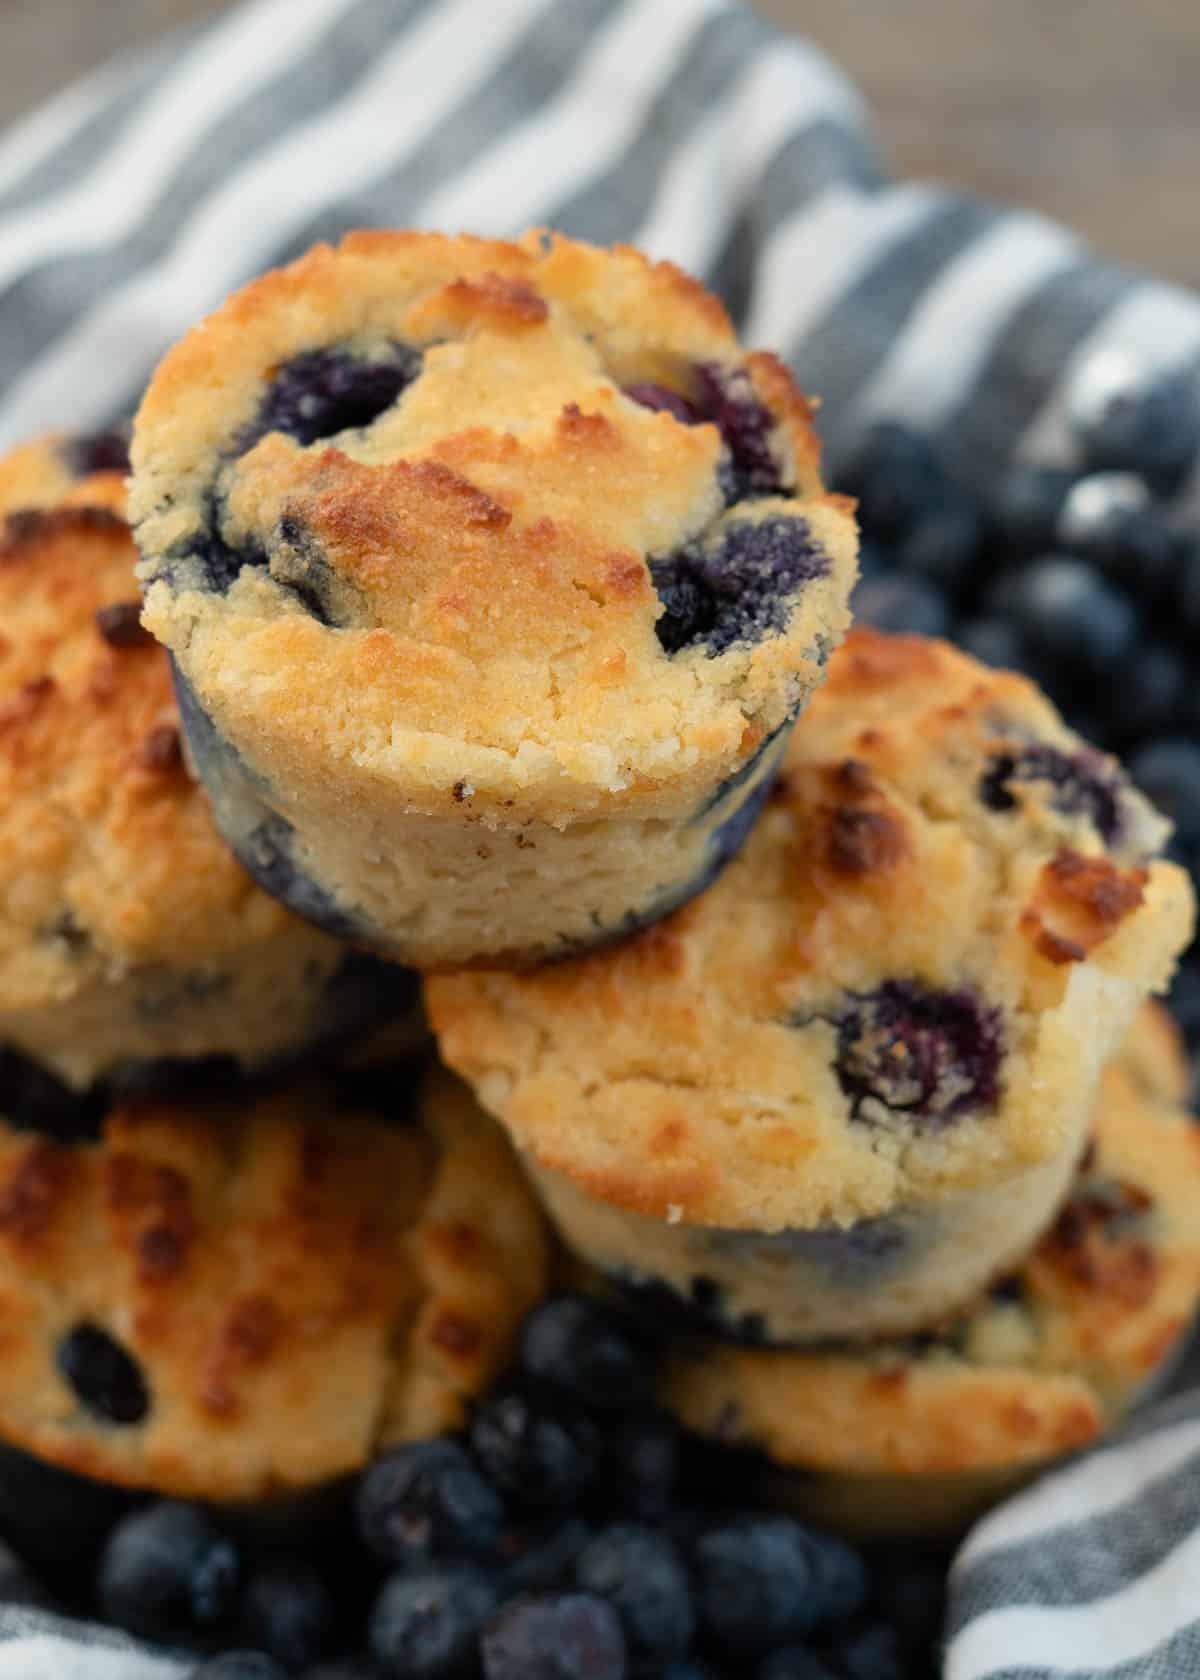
[[1168, 773], [995, 642], [897, 478], [1187, 591], [555, 1636], [322, 392], [427, 1500], [168, 1572], [570, 1343], [737, 590], [795, 1662], [1151, 700], [1127, 417], [18, 1587], [103, 1376], [944, 545], [642, 1574], [288, 1612], [1109, 519], [901, 604], [238, 1665], [1027, 504], [767, 1581], [869, 1653], [642, 1465], [953, 1049], [425, 1625], [543, 1559], [538, 1459], [1072, 616]]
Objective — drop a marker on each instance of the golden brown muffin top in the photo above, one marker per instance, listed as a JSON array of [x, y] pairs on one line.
[[290, 1285], [903, 985], [405, 503]]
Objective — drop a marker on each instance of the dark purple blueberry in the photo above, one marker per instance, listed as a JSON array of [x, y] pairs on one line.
[[910, 1595], [795, 1662], [18, 1588], [1187, 592], [642, 1574], [1071, 616], [106, 1379], [704, 1307], [944, 545], [426, 1624], [1151, 701], [738, 588], [555, 1636], [1168, 773], [572, 1344], [32, 1099], [729, 400], [1027, 504], [322, 392], [288, 1611], [873, 558], [642, 1465], [766, 1581], [238, 1665], [538, 1560], [427, 1500], [994, 641], [901, 604], [1083, 784], [1126, 416], [868, 1653], [169, 1573], [1109, 518], [536, 1455], [94, 452], [912, 1049], [665, 401], [897, 478]]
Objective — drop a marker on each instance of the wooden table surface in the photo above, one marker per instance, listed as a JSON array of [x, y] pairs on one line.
[[1087, 109]]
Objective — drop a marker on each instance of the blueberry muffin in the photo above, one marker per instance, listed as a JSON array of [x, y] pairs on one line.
[[921, 1434], [65, 467], [131, 939], [233, 1300], [494, 575], [849, 1085]]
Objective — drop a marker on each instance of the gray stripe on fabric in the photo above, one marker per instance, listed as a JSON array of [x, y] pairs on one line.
[[611, 206], [1019, 373], [47, 299], [535, 70], [1177, 1658], [816, 157], [840, 353]]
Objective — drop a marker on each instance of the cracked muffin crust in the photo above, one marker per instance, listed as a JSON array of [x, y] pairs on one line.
[[921, 1434], [130, 938], [229, 1301], [847, 1086], [494, 574]]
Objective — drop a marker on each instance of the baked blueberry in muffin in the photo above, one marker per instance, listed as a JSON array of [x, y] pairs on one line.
[[236, 1298], [134, 949], [494, 576], [918, 1434], [848, 1086]]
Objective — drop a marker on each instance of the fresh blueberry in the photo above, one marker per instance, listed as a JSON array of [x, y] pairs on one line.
[[910, 1591], [1027, 505], [641, 1573], [868, 1653], [17, 1586], [994, 641], [1082, 783], [1187, 601], [322, 392], [1109, 518], [1150, 701], [555, 1636], [897, 478], [425, 1625], [795, 1662], [289, 1612], [908, 1048], [944, 545], [642, 1464], [238, 1665], [762, 1582], [690, 1668], [738, 588], [104, 1377], [902, 604], [427, 1500], [94, 452], [1127, 416], [168, 1572], [534, 1454], [543, 1558], [1071, 615], [1168, 773], [574, 1345], [873, 558]]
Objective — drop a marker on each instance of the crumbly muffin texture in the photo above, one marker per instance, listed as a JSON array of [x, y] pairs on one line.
[[464, 547], [902, 989], [128, 931], [231, 1301], [920, 1431]]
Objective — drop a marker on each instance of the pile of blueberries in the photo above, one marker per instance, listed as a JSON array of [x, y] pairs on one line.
[[1087, 579], [561, 1537]]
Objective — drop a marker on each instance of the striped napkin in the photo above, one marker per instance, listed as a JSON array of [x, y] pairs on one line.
[[135, 201]]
